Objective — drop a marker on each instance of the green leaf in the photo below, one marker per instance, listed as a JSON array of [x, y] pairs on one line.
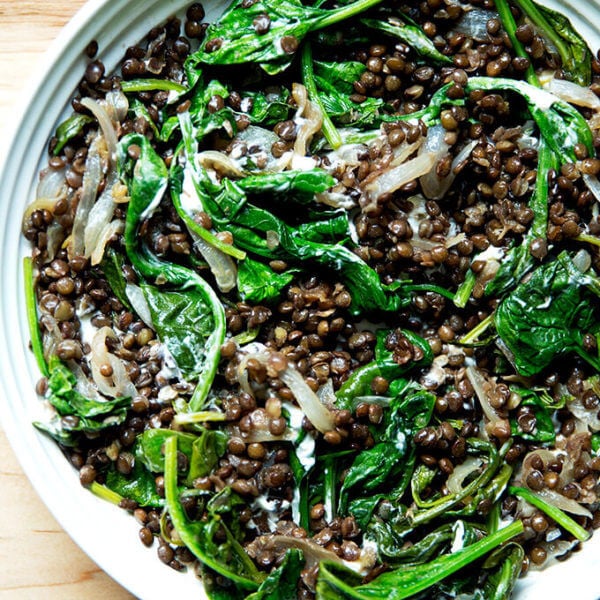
[[411, 34], [184, 322], [86, 415], [234, 40], [258, 283], [139, 485], [112, 267], [147, 181], [227, 558], [282, 583], [556, 514], [573, 50], [548, 316], [411, 579], [68, 129], [35, 334]]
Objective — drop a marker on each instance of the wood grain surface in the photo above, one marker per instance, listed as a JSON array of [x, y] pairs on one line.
[[37, 558]]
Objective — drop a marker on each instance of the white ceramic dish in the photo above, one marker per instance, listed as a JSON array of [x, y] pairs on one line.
[[107, 534]]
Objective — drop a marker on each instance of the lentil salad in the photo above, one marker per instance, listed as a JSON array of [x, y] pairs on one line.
[[377, 373]]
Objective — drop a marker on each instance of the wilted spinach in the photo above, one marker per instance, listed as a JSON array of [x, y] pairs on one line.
[[234, 38], [77, 414], [548, 316]]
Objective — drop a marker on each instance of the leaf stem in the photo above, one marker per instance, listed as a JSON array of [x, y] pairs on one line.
[[105, 493], [332, 135], [590, 239], [474, 334], [508, 21], [151, 85], [340, 14], [32, 317], [553, 512]]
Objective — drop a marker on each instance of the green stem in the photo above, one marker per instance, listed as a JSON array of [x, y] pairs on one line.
[[553, 512], [508, 21], [332, 135], [538, 19], [105, 493], [474, 334], [151, 85], [32, 317], [428, 287], [203, 416], [464, 291], [346, 12], [590, 239]]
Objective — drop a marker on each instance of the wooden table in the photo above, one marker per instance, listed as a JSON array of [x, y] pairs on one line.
[[37, 558]]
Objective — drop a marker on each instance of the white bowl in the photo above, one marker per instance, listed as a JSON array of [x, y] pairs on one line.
[[109, 535]]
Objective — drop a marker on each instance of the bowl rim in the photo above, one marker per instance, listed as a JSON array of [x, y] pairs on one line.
[[26, 444]]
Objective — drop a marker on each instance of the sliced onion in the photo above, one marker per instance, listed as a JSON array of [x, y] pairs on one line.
[[89, 190], [221, 266], [402, 152], [567, 504], [456, 479], [108, 130], [310, 120], [573, 93], [336, 199], [219, 162], [55, 235], [393, 179], [435, 143], [138, 301], [593, 185], [473, 23], [106, 234], [51, 187], [319, 415], [589, 417], [481, 385], [314, 553], [116, 105], [118, 384], [272, 239]]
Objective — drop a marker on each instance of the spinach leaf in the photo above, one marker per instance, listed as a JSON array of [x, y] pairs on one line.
[[390, 463], [258, 283], [341, 75], [542, 405], [208, 447], [561, 124], [384, 365], [411, 34], [147, 180], [228, 558], [37, 344], [184, 322], [302, 185], [428, 547], [139, 485], [234, 39], [282, 583], [548, 316], [112, 267], [510, 26], [81, 414], [150, 446], [576, 57], [505, 565], [519, 260], [251, 227], [408, 580], [68, 129]]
